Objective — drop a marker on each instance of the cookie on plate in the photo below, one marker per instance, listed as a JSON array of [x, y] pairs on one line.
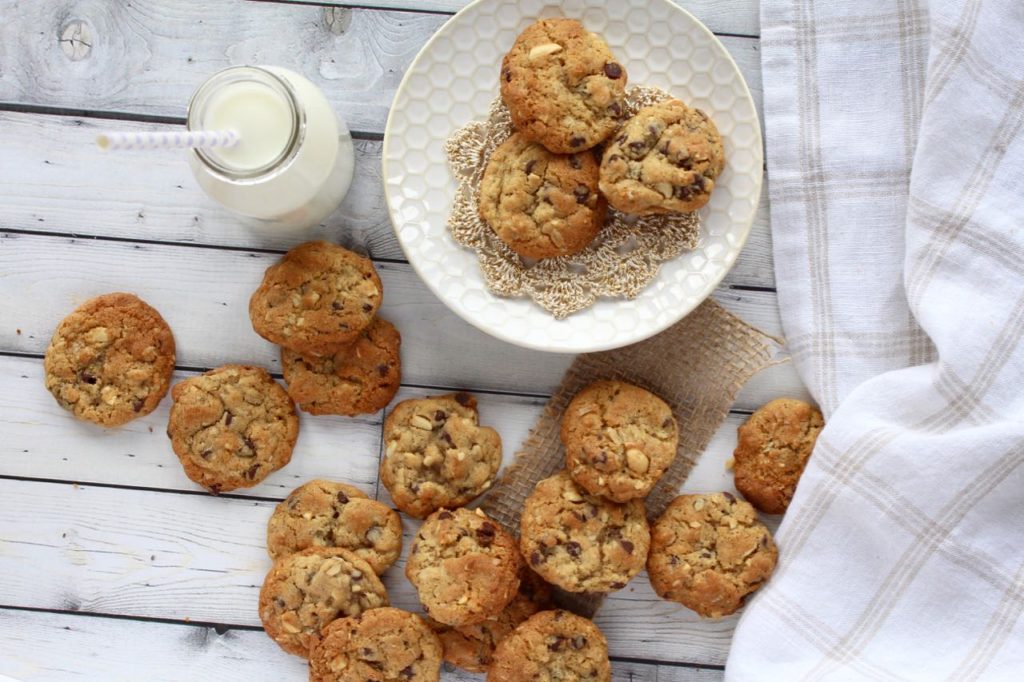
[[773, 447], [582, 542], [232, 427], [552, 645], [360, 378], [708, 552], [382, 645], [327, 514], [619, 439], [316, 299], [305, 591], [665, 158], [542, 205], [110, 360], [437, 454], [464, 567], [562, 85]]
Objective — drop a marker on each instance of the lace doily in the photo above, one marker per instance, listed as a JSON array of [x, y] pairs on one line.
[[619, 263]]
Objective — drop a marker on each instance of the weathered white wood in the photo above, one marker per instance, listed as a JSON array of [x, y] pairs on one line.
[[203, 294], [148, 56], [55, 647], [147, 195]]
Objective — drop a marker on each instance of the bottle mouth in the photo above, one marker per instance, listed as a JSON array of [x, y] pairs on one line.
[[198, 108]]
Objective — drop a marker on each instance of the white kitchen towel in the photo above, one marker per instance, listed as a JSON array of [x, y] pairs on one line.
[[896, 178]]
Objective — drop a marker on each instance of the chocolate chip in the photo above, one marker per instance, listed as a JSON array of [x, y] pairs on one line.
[[367, 307], [730, 497], [507, 73], [366, 651], [86, 377], [667, 423], [683, 192], [464, 399], [578, 642], [250, 473], [627, 545], [613, 70], [556, 644], [581, 193], [618, 586], [673, 560], [576, 141], [137, 404], [336, 306], [686, 163], [330, 536], [279, 602], [485, 534], [615, 109], [440, 416], [621, 138], [445, 515], [573, 548], [447, 438], [615, 157], [215, 488], [249, 444], [382, 370], [575, 162], [407, 672], [536, 558], [579, 515], [653, 131], [228, 418], [529, 166], [342, 497], [600, 458], [205, 454]]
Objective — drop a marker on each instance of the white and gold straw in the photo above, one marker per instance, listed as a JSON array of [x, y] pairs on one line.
[[176, 140]]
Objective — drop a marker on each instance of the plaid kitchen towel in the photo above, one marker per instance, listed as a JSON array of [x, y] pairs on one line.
[[895, 133]]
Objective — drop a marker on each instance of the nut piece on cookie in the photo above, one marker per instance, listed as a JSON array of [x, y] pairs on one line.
[[562, 86], [665, 158], [619, 439], [328, 514], [305, 591], [361, 378], [552, 645], [316, 299], [582, 542], [708, 552], [464, 566], [384, 644], [437, 455], [773, 447], [232, 427], [542, 205], [110, 360]]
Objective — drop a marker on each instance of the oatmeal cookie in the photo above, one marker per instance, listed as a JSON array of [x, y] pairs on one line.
[[552, 646]]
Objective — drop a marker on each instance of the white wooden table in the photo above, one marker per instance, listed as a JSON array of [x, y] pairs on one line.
[[114, 565]]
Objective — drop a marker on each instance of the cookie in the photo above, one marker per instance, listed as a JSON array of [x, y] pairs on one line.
[[773, 447], [382, 645], [232, 427], [464, 567], [562, 86], [360, 378], [552, 646], [316, 299], [708, 552], [582, 542], [665, 158], [307, 590], [437, 455], [619, 439], [327, 514], [110, 360], [542, 205]]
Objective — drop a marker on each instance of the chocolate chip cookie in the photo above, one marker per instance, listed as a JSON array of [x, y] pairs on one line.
[[110, 360], [382, 645], [552, 645], [328, 514], [665, 158], [619, 439], [582, 542], [360, 378], [316, 299], [437, 455], [307, 590], [562, 86], [542, 205], [464, 567], [708, 552], [772, 450], [232, 427]]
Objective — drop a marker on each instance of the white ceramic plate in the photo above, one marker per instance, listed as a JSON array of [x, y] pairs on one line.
[[453, 80]]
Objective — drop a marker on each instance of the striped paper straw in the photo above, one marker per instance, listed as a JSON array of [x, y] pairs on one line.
[[176, 140]]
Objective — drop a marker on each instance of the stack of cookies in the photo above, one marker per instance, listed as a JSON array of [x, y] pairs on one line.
[[576, 149]]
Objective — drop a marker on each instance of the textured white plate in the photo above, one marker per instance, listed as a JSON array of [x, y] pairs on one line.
[[453, 80]]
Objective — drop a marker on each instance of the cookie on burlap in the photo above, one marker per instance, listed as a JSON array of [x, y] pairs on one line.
[[305, 591], [708, 552], [327, 514], [360, 378], [552, 646], [582, 542], [464, 567], [562, 86], [316, 299], [619, 439], [232, 427], [773, 447], [542, 205], [110, 360], [382, 645], [665, 158], [437, 454]]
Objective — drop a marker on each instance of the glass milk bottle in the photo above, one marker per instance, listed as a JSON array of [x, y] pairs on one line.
[[294, 160]]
